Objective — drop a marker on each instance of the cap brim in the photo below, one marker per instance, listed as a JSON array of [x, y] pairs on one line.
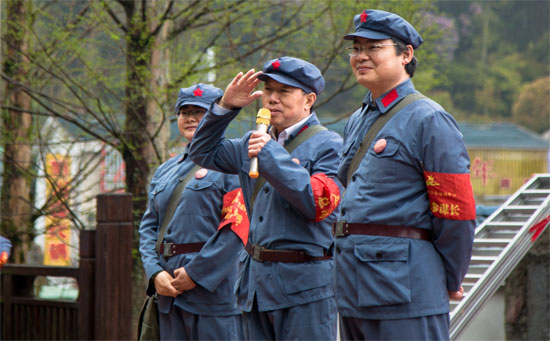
[[197, 103], [284, 80], [369, 34]]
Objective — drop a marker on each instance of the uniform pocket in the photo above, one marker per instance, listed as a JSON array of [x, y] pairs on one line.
[[240, 272], [221, 295], [382, 273], [383, 167], [158, 188], [298, 277]]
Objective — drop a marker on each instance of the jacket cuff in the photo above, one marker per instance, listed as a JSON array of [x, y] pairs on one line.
[[150, 291]]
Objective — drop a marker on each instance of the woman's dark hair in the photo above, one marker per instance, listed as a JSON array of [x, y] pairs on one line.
[[400, 48]]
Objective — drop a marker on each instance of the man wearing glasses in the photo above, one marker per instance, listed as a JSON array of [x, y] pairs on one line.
[[405, 230]]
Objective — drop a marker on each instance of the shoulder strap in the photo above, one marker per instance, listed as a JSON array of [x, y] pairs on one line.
[[304, 136], [172, 204], [375, 128], [298, 140]]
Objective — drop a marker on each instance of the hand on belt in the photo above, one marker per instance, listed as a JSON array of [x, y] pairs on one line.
[[343, 228], [171, 249], [261, 254]]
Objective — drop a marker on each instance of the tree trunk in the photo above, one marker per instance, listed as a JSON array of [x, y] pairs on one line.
[[139, 155], [146, 127], [159, 119], [16, 204]]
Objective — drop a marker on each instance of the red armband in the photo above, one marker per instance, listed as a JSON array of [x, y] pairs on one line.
[[234, 213], [326, 195], [3, 258], [451, 195]]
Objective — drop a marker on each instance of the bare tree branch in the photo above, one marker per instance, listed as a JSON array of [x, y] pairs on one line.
[[163, 18], [127, 5]]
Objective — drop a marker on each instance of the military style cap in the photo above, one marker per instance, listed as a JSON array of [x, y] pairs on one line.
[[376, 24], [201, 95], [294, 72]]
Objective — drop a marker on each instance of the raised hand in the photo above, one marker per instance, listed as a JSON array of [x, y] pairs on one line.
[[238, 93]]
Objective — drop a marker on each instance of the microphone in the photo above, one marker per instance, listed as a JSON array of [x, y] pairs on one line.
[[262, 122]]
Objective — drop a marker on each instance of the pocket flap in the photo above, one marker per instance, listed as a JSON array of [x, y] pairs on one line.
[[378, 252], [198, 185], [346, 149], [243, 256], [298, 277], [159, 187], [390, 150]]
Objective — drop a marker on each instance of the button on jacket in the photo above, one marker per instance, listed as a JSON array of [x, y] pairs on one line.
[[284, 210], [390, 277], [196, 219]]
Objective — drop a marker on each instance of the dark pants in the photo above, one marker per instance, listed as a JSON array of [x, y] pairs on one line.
[[181, 325], [435, 327], [310, 321]]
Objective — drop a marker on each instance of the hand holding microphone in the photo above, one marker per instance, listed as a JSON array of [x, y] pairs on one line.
[[262, 122]]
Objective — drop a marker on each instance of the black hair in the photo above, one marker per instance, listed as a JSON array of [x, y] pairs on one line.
[[400, 48]]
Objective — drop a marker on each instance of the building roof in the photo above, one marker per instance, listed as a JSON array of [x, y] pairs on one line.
[[494, 135], [501, 136]]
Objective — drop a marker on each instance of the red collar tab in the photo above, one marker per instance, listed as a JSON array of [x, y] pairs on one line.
[[389, 98], [276, 65], [198, 92], [303, 128], [364, 16]]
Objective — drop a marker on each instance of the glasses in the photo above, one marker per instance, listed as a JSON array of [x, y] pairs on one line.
[[191, 112], [370, 50]]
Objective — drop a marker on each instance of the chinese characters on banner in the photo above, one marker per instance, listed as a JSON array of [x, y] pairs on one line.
[[58, 233]]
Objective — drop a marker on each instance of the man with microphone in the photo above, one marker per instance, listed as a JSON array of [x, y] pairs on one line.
[[285, 284]]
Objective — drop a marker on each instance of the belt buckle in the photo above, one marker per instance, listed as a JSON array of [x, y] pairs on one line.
[[257, 253], [339, 229], [167, 249]]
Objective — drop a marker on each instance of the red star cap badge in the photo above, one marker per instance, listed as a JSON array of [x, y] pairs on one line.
[[197, 92], [364, 16], [276, 64]]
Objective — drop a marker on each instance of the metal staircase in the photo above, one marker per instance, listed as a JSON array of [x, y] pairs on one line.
[[500, 243]]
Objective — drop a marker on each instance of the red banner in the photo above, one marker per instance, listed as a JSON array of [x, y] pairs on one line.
[[58, 233]]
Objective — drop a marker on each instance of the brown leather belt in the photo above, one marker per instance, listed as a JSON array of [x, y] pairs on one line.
[[343, 228], [261, 254], [171, 249]]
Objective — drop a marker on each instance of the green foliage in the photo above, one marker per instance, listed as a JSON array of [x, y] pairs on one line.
[[532, 109], [113, 68], [502, 45], [86, 56]]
